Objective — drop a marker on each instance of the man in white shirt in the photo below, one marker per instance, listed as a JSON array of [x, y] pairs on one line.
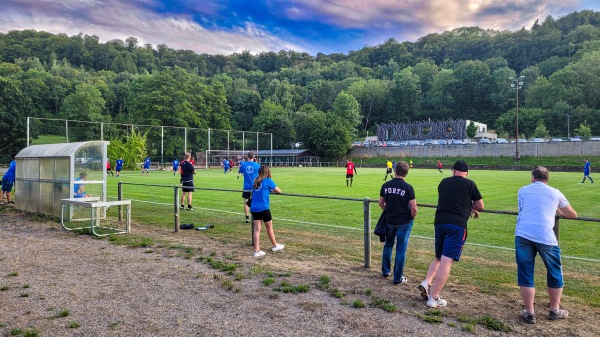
[[538, 205]]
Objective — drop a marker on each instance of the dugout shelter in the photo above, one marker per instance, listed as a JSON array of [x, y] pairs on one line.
[[47, 173]]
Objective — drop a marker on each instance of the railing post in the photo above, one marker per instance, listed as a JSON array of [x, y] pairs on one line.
[[176, 204], [367, 234], [556, 228], [120, 197]]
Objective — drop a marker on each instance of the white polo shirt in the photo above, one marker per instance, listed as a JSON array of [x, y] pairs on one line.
[[537, 208]]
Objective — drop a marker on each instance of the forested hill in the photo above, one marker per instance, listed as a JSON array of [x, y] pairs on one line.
[[324, 100]]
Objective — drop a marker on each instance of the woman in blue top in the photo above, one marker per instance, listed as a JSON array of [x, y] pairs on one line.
[[260, 209]]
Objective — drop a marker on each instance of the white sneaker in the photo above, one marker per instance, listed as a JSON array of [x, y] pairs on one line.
[[436, 302], [424, 289], [259, 253], [277, 247]]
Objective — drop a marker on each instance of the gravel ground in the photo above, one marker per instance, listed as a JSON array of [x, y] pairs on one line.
[[112, 290]]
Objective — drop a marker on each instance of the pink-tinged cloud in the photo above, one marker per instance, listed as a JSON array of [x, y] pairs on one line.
[[424, 16], [115, 19]]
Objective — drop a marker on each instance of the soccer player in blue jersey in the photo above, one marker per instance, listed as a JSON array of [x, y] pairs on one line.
[[225, 166], [8, 181], [587, 170], [249, 169], [119, 166], [146, 166], [175, 166]]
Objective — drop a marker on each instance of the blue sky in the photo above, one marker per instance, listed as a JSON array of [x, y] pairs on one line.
[[229, 26]]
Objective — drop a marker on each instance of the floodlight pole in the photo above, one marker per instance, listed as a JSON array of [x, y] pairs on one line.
[[517, 83], [568, 126], [28, 131]]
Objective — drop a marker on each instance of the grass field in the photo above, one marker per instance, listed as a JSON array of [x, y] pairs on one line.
[[334, 228]]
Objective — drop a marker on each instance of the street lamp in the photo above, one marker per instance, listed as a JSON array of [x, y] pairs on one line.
[[568, 126], [517, 83]]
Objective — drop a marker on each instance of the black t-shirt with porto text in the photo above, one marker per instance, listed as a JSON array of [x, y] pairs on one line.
[[397, 193], [455, 200]]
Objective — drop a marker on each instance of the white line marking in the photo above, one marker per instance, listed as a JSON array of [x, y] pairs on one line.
[[361, 229]]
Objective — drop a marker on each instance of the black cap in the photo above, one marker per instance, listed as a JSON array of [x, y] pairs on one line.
[[460, 166]]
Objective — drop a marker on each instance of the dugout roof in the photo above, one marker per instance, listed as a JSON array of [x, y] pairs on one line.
[[47, 173]]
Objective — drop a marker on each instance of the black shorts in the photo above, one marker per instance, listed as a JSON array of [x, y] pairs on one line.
[[349, 175], [262, 215], [246, 195], [187, 184], [389, 171]]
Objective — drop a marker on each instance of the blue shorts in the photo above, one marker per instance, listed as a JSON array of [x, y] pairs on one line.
[[79, 195], [449, 241], [525, 251], [7, 185], [118, 169]]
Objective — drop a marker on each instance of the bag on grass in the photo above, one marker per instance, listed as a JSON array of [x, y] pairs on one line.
[[186, 226]]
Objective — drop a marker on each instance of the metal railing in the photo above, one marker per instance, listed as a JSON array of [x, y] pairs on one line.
[[366, 211]]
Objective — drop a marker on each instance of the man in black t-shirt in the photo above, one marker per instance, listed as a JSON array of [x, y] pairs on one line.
[[397, 200], [458, 199], [187, 181]]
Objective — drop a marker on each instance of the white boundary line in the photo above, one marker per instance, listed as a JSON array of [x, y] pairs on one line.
[[361, 229]]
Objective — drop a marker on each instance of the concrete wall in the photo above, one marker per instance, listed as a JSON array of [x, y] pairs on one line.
[[589, 148]]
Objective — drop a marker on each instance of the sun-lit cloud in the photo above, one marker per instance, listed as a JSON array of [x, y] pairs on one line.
[[229, 26], [424, 16], [115, 19]]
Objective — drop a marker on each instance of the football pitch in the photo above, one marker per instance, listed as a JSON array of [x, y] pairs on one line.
[[333, 229]]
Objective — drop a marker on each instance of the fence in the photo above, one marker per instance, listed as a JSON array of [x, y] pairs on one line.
[[366, 203], [172, 141]]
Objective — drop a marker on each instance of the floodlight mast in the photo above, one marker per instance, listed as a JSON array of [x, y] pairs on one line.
[[517, 83]]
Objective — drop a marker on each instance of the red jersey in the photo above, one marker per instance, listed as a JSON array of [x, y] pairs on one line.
[[439, 164], [107, 164], [193, 162], [350, 168]]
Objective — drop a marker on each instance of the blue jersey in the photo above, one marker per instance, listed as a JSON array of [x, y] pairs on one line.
[[586, 169], [76, 189], [260, 196], [226, 163], [10, 174], [175, 164], [250, 171], [119, 165], [147, 163]]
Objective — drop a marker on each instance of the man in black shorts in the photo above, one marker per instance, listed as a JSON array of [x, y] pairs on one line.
[[187, 181]]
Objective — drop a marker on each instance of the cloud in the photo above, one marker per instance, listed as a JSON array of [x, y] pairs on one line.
[[115, 19], [423, 17]]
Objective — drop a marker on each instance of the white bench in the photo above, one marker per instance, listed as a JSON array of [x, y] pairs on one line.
[[76, 211]]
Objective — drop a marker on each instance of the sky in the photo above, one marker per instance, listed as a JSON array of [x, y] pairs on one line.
[[313, 26]]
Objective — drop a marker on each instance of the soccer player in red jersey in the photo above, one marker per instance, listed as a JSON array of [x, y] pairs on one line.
[[350, 171]]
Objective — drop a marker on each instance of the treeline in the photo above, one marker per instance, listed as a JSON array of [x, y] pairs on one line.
[[324, 100]]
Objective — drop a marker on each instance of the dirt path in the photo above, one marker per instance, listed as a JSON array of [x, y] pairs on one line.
[[165, 290]]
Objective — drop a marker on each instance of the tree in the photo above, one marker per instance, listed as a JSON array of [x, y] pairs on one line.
[[347, 107], [85, 104], [540, 130], [132, 148], [403, 97], [12, 117], [583, 131], [274, 119], [471, 130]]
